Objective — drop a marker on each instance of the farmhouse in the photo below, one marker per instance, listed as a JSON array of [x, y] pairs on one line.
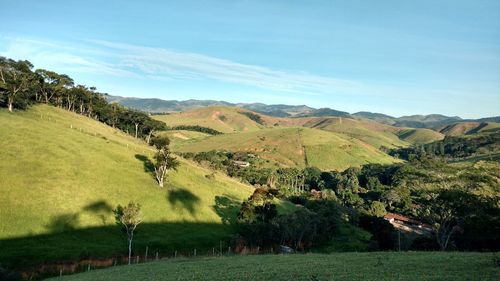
[[242, 164], [407, 224]]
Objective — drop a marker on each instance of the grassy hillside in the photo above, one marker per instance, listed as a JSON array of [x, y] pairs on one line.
[[61, 175], [419, 136], [345, 266], [466, 128], [373, 133], [294, 146], [231, 120], [221, 118]]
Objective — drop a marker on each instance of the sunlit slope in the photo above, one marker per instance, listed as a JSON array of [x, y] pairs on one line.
[[221, 118], [61, 171], [467, 128], [373, 133], [419, 136], [295, 147]]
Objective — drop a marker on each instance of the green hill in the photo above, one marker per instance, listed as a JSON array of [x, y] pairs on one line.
[[294, 147], [221, 118], [61, 174], [341, 266], [373, 133], [467, 128], [419, 136]]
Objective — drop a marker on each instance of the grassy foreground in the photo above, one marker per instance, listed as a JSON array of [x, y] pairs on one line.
[[61, 175], [342, 266]]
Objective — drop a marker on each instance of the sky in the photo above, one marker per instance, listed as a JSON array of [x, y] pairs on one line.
[[398, 57]]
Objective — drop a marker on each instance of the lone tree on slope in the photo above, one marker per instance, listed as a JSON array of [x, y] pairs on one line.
[[164, 159], [129, 217]]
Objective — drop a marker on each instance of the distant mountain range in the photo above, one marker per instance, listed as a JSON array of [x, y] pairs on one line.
[[283, 110]]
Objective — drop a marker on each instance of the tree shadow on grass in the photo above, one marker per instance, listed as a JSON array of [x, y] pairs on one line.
[[227, 209], [64, 222], [100, 208], [184, 199], [109, 241], [149, 166]]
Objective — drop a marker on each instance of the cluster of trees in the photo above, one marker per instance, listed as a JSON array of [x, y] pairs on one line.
[[21, 85], [196, 128], [451, 147], [253, 117], [415, 189], [260, 225]]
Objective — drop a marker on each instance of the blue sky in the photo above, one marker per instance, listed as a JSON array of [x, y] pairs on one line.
[[397, 57]]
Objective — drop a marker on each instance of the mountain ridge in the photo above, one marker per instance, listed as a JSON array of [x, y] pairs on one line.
[[430, 121]]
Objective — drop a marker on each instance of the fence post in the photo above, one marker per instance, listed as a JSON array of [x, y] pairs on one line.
[[88, 267], [229, 250], [156, 255], [175, 254], [195, 252], [137, 261], [146, 255], [60, 272], [213, 251]]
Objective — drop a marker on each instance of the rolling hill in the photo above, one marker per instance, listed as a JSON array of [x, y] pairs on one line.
[[371, 132], [294, 147], [430, 121], [419, 136], [467, 128], [61, 175], [221, 118]]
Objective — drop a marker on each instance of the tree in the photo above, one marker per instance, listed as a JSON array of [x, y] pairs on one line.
[[52, 84], [16, 78], [443, 211], [164, 159], [129, 217], [377, 209]]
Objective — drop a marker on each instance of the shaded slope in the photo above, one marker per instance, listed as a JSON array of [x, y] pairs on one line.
[[340, 266]]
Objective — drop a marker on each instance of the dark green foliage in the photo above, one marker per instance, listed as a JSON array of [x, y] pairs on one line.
[[451, 148], [197, 128], [253, 116], [460, 215], [384, 234], [7, 275]]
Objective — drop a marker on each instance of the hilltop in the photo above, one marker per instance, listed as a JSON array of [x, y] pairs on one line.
[[221, 118], [62, 174], [430, 121]]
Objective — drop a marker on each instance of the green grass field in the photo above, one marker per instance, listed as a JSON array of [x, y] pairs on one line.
[[370, 132], [292, 146], [342, 266], [221, 118], [419, 136], [61, 175]]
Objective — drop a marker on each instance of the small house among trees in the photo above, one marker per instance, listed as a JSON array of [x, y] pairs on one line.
[[408, 224], [242, 164]]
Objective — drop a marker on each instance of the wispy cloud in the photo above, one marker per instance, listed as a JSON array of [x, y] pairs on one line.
[[110, 58]]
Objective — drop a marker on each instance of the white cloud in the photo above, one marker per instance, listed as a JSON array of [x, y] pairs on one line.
[[116, 59]]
